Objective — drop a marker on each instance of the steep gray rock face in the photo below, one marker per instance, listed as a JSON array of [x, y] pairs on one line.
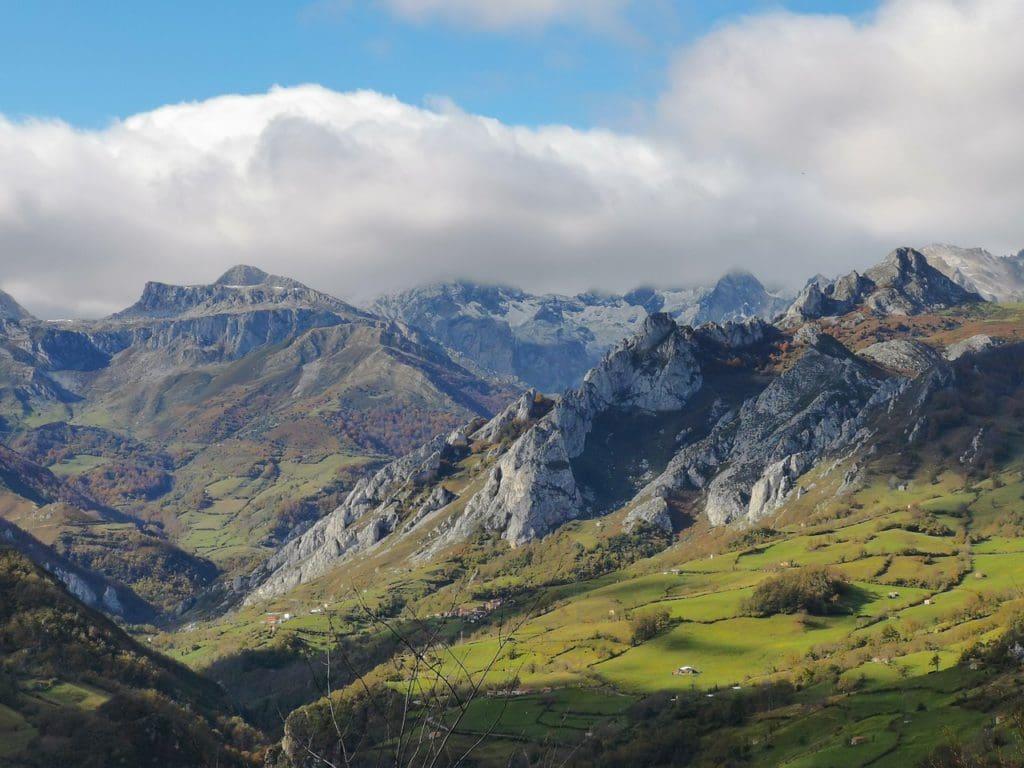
[[655, 370], [751, 459], [370, 513], [217, 337], [530, 492], [550, 341], [813, 409], [532, 489], [904, 284], [26, 375]]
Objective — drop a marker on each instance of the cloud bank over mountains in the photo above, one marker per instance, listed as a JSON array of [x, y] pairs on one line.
[[786, 144]]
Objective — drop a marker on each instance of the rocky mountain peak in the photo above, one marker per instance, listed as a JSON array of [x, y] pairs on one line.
[[738, 295], [903, 266], [242, 289], [739, 278], [903, 284], [243, 274], [11, 309], [652, 332]]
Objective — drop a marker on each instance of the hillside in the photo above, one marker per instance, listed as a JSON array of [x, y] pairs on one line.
[[76, 691], [218, 418], [819, 520], [109, 560], [732, 544]]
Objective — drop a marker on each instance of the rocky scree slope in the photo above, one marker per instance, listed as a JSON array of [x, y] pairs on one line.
[[550, 341]]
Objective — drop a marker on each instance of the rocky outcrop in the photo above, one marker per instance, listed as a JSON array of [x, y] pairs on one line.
[[653, 512], [969, 346], [373, 510], [750, 461], [528, 407], [904, 284], [903, 355]]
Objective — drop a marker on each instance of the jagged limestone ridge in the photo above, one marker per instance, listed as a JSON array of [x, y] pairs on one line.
[[903, 284]]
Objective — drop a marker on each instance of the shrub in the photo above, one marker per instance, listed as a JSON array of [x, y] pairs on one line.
[[815, 589], [649, 624]]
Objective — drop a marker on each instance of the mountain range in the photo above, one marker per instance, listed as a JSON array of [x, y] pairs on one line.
[[549, 341], [676, 423], [577, 501]]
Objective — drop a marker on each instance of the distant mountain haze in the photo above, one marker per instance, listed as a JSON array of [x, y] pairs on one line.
[[550, 341]]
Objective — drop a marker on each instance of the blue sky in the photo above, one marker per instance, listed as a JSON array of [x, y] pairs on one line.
[[88, 63]]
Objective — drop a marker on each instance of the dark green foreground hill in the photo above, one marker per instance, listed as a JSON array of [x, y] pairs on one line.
[[75, 690]]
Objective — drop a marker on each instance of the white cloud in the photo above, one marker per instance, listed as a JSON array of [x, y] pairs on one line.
[[786, 144], [907, 124]]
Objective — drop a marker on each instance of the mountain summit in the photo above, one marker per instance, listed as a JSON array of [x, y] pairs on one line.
[[12, 310], [242, 275], [242, 289], [903, 284]]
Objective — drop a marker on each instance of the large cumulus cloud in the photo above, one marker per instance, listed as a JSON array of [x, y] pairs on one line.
[[785, 144]]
